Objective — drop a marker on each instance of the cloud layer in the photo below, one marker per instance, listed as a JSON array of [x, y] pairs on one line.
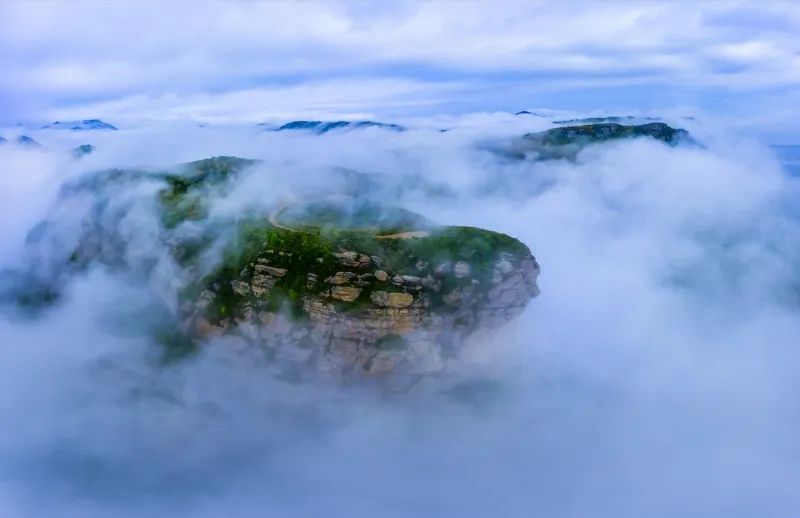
[[654, 375]]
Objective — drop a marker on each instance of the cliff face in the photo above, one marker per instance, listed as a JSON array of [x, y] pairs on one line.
[[359, 315]]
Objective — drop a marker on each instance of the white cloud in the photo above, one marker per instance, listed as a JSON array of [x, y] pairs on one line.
[[331, 99], [658, 362], [63, 51]]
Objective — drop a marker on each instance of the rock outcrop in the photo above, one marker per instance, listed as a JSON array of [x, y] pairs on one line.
[[340, 312], [344, 285]]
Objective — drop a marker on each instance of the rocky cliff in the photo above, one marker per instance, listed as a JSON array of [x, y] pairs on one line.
[[361, 301], [341, 282]]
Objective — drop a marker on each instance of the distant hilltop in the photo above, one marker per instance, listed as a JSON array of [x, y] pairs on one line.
[[526, 112], [613, 118], [23, 140], [600, 120], [320, 127], [27, 141], [84, 125], [568, 141], [83, 150]]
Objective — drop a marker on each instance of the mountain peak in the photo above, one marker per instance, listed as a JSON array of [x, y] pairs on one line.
[[526, 112], [320, 127], [27, 141], [83, 149], [82, 125], [567, 141]]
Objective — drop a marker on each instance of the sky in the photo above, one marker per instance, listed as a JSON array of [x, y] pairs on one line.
[[257, 61]]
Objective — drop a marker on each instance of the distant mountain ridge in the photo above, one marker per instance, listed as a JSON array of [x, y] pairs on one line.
[[320, 127], [82, 125], [600, 120], [22, 140], [567, 141]]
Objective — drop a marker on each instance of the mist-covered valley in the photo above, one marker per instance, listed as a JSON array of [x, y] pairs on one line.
[[653, 375]]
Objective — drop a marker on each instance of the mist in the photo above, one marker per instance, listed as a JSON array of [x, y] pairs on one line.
[[654, 375]]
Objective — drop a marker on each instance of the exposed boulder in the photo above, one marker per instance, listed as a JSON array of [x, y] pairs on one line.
[[345, 293], [392, 300], [276, 272], [462, 269]]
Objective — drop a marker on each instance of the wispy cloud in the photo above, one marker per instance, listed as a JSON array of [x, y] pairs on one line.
[[56, 53]]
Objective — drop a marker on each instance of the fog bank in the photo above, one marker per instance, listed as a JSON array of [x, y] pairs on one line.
[[654, 375]]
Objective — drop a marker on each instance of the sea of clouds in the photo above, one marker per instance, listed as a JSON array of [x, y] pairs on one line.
[[655, 375]]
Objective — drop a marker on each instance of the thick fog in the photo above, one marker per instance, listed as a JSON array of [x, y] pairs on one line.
[[655, 374]]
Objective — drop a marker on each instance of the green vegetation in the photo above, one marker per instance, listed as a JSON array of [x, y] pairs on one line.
[[176, 345], [608, 131], [313, 251], [477, 246], [37, 298], [597, 120], [567, 141], [244, 279], [353, 215], [186, 195], [297, 252]]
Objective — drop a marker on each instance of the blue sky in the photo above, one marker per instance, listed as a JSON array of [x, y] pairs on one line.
[[250, 61]]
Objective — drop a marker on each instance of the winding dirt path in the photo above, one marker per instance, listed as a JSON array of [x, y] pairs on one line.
[[273, 218]]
